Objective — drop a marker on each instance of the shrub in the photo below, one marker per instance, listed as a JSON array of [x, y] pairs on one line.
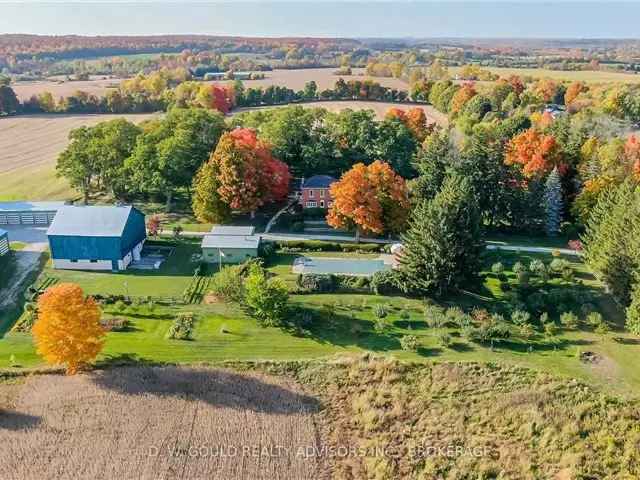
[[518, 267], [228, 284], [380, 325], [434, 316], [409, 343], [594, 319], [385, 282], [497, 268], [405, 315], [115, 324], [265, 298], [317, 283], [544, 318], [569, 320], [526, 331], [537, 267], [550, 329], [444, 340], [557, 265], [182, 327], [520, 317], [380, 311], [567, 274]]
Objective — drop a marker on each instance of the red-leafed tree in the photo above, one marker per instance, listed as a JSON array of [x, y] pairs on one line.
[[217, 97], [249, 175], [536, 152]]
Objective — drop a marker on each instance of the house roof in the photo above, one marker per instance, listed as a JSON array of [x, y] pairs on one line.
[[93, 221], [30, 206], [318, 181], [230, 241], [3, 232], [231, 230]]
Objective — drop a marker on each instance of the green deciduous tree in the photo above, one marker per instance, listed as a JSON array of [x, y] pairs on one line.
[[265, 298], [171, 150]]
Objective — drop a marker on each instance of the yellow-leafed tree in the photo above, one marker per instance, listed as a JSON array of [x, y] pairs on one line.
[[68, 329]]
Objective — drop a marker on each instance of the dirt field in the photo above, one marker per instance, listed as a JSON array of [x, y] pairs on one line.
[[29, 147], [60, 88], [586, 76], [324, 77], [380, 108], [151, 423], [294, 79]]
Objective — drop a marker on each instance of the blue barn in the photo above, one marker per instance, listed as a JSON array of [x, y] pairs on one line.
[[96, 238]]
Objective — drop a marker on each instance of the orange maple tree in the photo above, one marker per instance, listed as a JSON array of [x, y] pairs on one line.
[[516, 83], [371, 199], [68, 329], [632, 154], [546, 88], [536, 152], [573, 90], [414, 119], [461, 97], [250, 176]]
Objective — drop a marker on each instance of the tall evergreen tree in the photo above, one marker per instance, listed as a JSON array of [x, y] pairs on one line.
[[443, 244], [611, 250], [431, 162], [553, 203]]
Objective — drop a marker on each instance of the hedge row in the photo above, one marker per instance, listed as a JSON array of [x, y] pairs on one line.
[[325, 246]]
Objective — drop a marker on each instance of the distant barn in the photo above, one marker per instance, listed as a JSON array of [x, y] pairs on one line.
[[96, 237]]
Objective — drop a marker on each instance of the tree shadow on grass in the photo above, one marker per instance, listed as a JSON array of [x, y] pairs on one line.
[[17, 421], [627, 341], [220, 388]]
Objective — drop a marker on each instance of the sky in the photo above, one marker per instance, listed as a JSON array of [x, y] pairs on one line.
[[324, 18]]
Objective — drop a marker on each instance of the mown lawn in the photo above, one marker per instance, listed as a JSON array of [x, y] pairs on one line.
[[344, 324]]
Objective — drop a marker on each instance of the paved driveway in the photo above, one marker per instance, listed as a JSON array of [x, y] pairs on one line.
[[26, 233]]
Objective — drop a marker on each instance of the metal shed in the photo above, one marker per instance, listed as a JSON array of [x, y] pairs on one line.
[[28, 213], [4, 242]]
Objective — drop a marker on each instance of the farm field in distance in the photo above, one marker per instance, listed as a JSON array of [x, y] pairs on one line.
[[590, 76], [29, 146]]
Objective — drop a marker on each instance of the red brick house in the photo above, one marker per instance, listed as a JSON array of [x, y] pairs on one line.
[[315, 192]]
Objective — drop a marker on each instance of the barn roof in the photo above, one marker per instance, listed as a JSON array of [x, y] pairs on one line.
[[93, 221], [319, 181], [232, 230], [25, 206], [230, 241]]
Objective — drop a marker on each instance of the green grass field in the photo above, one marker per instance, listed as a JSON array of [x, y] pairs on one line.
[[223, 332], [583, 76], [35, 183]]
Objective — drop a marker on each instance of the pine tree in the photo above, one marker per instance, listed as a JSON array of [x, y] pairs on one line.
[[431, 163], [611, 243], [553, 203], [443, 244], [633, 311]]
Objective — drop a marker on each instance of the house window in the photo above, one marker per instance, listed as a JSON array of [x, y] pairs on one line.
[[321, 203], [321, 193], [312, 204], [73, 261], [93, 261], [310, 193]]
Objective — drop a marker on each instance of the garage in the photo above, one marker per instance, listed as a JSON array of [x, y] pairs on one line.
[[28, 213]]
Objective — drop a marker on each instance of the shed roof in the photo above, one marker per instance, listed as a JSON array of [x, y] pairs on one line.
[[231, 230], [93, 221], [30, 206], [319, 181], [230, 241]]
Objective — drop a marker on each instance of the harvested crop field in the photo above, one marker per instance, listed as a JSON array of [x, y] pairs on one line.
[[324, 78], [380, 108], [98, 85], [29, 147], [149, 423]]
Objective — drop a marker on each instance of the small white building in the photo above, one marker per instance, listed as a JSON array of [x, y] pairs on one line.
[[229, 244]]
